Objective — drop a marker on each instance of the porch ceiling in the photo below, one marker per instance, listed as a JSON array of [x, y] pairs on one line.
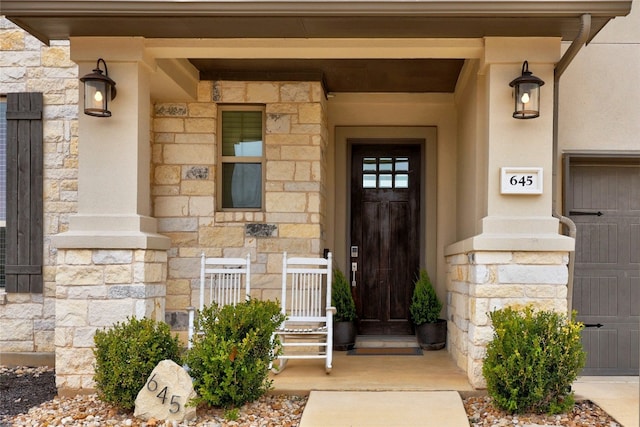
[[61, 19], [341, 75]]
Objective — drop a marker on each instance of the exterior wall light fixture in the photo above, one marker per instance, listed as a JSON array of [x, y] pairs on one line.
[[527, 94], [99, 90]]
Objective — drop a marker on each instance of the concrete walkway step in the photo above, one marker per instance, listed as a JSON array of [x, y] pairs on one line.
[[384, 408]]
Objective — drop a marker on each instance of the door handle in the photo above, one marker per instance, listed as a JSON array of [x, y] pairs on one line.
[[583, 213], [354, 269]]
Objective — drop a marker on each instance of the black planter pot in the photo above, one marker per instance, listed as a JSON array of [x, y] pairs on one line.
[[432, 336], [344, 335]]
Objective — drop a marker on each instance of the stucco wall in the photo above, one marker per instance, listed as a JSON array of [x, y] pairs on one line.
[[471, 182], [599, 92]]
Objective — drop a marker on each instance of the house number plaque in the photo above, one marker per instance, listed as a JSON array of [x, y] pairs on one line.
[[164, 394], [517, 180]]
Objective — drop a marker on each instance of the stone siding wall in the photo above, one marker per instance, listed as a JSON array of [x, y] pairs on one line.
[[480, 282], [27, 65], [184, 186]]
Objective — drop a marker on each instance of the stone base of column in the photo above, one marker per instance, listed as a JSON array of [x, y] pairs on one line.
[[95, 288], [479, 282]]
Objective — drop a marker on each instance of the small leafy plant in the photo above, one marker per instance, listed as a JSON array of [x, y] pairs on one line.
[[125, 356], [425, 306], [342, 299], [229, 362], [532, 361]]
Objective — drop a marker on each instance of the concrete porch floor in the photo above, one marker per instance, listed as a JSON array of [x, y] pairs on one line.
[[434, 370]]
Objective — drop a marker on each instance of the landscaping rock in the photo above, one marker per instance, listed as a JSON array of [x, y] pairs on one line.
[[166, 394]]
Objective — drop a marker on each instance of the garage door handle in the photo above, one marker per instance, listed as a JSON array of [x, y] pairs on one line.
[[593, 325], [576, 213]]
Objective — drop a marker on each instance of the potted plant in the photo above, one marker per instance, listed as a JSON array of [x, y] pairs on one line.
[[344, 328], [425, 307]]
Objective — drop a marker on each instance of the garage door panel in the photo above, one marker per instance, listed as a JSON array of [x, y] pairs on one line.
[[602, 348], [604, 202], [596, 296], [634, 350], [597, 243], [634, 244], [634, 297]]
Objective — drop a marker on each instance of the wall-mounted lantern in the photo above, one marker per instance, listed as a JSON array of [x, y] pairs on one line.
[[526, 90], [99, 90]]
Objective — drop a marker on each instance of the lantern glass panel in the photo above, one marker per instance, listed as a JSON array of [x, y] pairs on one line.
[[97, 95], [527, 101]]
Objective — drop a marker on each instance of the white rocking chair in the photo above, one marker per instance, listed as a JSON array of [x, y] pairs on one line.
[[223, 281], [307, 333]]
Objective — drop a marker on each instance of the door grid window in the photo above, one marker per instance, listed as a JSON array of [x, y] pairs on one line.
[[385, 172]]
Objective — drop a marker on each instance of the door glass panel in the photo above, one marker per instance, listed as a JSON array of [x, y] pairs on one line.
[[386, 164], [369, 181], [402, 164], [386, 180], [402, 180], [369, 164]]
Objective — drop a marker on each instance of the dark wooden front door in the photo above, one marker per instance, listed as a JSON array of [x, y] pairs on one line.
[[385, 227]]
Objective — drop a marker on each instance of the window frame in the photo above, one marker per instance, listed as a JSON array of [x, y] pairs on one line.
[[221, 159]]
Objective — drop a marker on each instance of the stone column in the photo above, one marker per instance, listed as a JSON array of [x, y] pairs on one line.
[[516, 256], [111, 262]]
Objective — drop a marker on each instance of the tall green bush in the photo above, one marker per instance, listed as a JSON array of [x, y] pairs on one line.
[[341, 298], [425, 306], [229, 362], [125, 356], [532, 361]]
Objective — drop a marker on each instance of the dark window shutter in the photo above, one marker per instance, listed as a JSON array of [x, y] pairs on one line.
[[24, 193]]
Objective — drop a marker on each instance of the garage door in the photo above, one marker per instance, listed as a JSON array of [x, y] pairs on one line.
[[603, 199]]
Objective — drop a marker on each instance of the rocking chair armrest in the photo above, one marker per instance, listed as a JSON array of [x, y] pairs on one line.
[[331, 310]]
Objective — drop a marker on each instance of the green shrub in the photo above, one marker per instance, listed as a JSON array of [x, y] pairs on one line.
[[425, 306], [125, 356], [342, 299], [532, 361], [229, 362]]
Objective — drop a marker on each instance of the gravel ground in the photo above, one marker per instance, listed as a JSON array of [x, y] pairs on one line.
[[28, 398]]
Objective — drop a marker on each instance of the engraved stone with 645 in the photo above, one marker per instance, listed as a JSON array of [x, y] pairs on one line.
[[166, 393]]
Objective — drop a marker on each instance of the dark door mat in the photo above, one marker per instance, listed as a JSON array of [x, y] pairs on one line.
[[386, 351]]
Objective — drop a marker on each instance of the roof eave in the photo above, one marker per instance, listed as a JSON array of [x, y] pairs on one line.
[[467, 8]]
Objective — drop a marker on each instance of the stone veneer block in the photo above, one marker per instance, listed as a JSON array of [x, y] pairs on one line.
[[286, 202], [175, 125], [263, 92], [188, 154], [261, 230], [534, 274], [166, 175], [199, 125], [299, 230], [202, 110], [197, 188], [222, 236]]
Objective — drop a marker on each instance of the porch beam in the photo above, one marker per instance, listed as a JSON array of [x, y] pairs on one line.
[[321, 48]]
